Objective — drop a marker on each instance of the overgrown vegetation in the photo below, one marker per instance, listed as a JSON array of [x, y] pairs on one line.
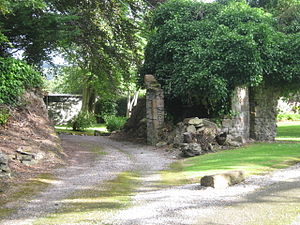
[[200, 52], [16, 77], [114, 123], [82, 121]]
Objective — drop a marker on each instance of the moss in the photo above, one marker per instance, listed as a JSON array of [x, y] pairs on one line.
[[174, 175], [98, 150], [95, 203], [22, 192]]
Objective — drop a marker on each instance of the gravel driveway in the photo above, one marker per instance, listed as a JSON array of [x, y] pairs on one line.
[[270, 199]]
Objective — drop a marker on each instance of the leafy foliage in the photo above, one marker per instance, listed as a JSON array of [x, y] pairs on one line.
[[82, 121], [16, 76], [35, 27], [200, 52], [114, 123]]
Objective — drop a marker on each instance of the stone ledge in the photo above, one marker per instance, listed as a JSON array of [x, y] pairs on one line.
[[223, 180]]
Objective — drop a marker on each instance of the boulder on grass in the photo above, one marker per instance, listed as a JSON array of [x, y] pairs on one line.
[[223, 180], [190, 149]]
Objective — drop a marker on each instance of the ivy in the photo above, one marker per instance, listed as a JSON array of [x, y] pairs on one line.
[[15, 77], [199, 52]]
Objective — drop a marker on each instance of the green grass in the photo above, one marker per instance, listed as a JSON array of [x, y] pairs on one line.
[[253, 159], [89, 131], [93, 204], [288, 131]]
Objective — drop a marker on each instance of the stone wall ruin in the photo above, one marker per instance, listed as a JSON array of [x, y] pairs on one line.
[[154, 109], [263, 112], [253, 116]]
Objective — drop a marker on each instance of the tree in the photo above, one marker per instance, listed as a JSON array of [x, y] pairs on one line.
[[34, 27], [108, 45], [200, 52]]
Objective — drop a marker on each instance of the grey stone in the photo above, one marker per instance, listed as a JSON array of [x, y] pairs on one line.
[[199, 130], [4, 167], [196, 121], [223, 180], [190, 150], [191, 129], [208, 123], [233, 143], [27, 157], [188, 137]]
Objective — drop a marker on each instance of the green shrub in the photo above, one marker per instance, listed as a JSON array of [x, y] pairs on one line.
[[4, 116], [114, 123], [82, 121], [16, 77]]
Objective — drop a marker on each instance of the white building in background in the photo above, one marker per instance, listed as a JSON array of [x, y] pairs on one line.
[[63, 107]]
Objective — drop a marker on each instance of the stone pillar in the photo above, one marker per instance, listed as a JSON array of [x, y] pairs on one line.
[[154, 109], [263, 112], [238, 126]]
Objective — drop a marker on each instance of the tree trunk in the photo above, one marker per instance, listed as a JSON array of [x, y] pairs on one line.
[[88, 99]]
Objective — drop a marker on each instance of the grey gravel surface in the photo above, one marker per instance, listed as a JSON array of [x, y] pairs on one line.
[[86, 173], [151, 205], [193, 204]]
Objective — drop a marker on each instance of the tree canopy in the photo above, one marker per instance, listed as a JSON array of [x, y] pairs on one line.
[[200, 52]]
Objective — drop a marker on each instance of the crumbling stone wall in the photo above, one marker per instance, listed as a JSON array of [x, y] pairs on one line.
[[238, 126], [263, 112], [154, 109]]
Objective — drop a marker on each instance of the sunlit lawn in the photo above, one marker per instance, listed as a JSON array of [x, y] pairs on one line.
[[288, 131], [255, 158]]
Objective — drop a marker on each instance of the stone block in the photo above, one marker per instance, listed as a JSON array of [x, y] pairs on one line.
[[196, 121], [223, 180]]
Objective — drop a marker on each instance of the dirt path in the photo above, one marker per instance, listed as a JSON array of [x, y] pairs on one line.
[[137, 198]]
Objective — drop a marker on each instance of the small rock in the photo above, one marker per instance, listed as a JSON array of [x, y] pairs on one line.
[[187, 137], [191, 129], [196, 121], [208, 123], [221, 138], [190, 150], [233, 143], [223, 180], [199, 130]]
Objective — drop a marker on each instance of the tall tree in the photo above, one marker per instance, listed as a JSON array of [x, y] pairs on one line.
[[108, 44]]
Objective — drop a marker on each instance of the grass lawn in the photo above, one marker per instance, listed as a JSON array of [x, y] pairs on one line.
[[90, 131], [288, 131], [255, 158]]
